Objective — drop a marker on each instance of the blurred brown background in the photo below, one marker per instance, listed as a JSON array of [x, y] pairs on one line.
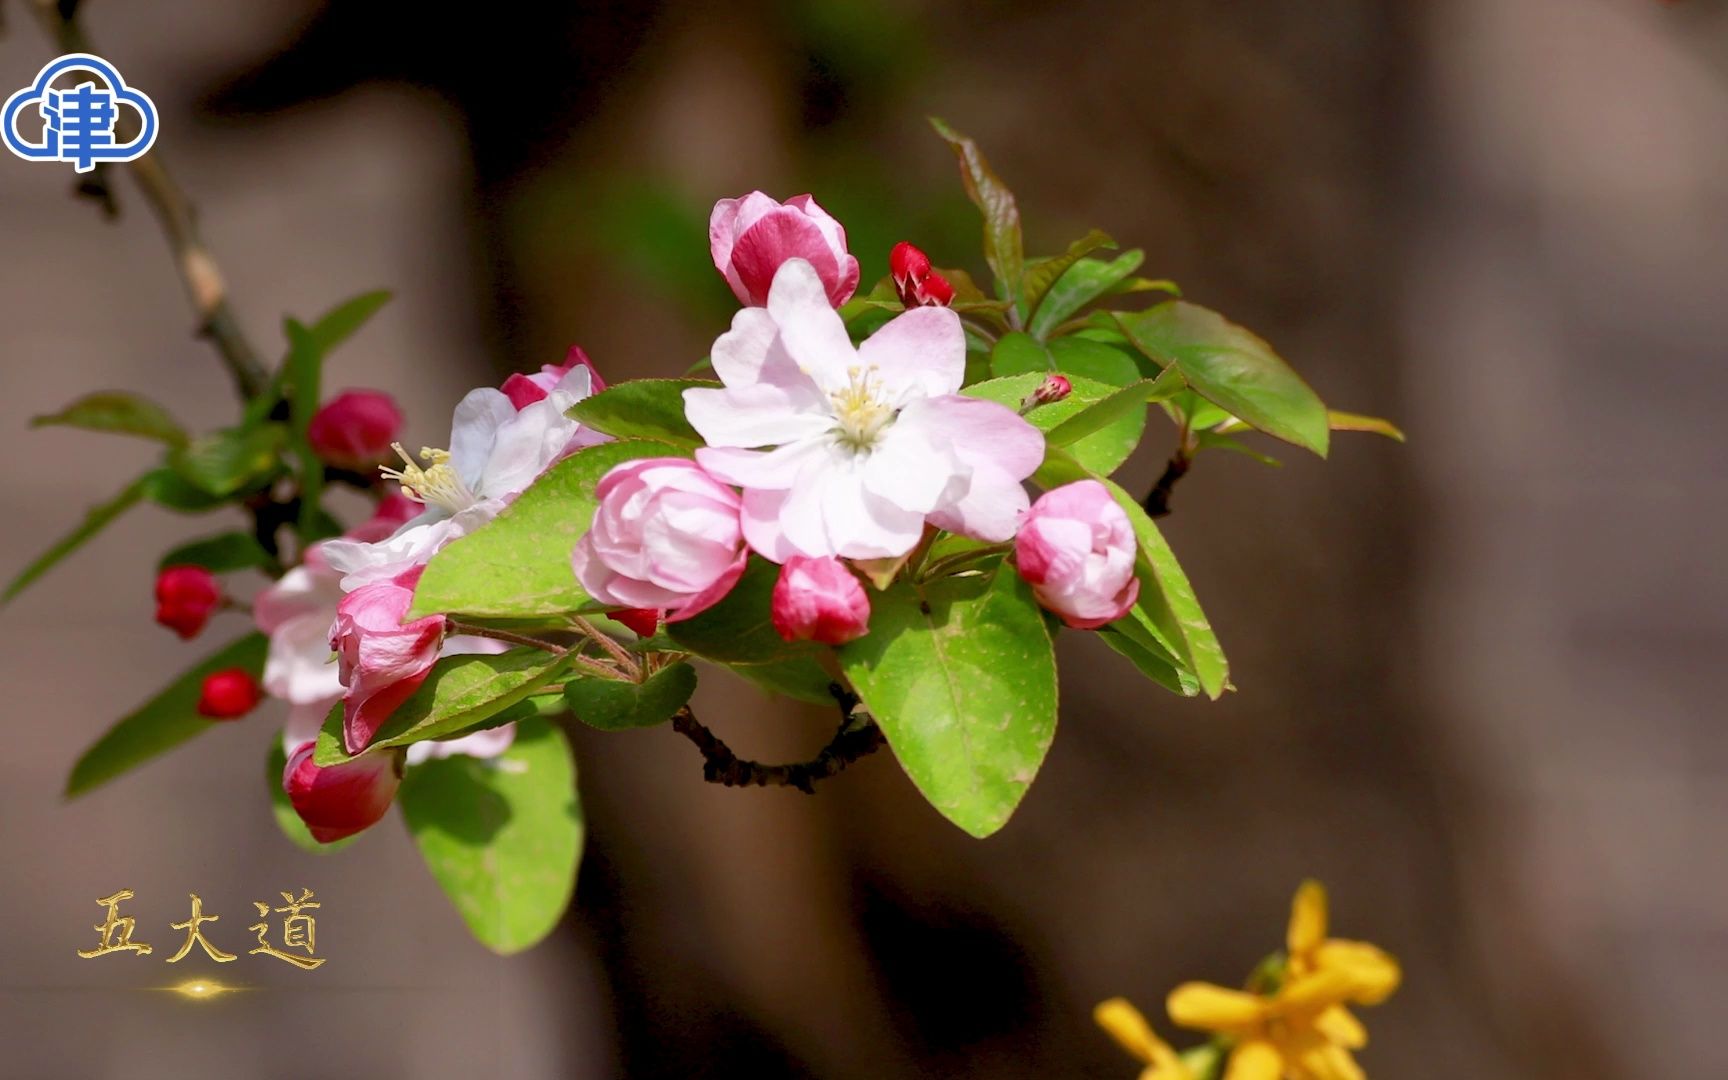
[[1476, 673]]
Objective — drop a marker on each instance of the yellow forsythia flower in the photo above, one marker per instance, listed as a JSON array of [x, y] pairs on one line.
[[1130, 1029]]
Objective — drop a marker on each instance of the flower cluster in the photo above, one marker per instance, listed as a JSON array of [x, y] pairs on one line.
[[1294, 1021]]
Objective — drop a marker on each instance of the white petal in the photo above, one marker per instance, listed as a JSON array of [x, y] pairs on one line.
[[524, 446], [772, 469], [981, 432], [810, 329], [756, 415], [740, 354], [473, 429], [990, 510], [909, 471], [921, 353], [760, 518]]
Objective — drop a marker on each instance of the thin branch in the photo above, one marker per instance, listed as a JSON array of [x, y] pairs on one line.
[[199, 273], [1157, 502], [857, 737]]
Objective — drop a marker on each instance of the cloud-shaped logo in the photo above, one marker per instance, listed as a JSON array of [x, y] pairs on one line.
[[81, 125]]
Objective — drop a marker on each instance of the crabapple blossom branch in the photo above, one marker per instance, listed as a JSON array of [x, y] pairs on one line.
[[1157, 502], [200, 275], [857, 737]]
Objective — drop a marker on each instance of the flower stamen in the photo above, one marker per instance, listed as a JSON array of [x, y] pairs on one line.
[[436, 484], [860, 414]]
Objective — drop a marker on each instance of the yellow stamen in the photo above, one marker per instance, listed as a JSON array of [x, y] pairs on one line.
[[437, 484], [859, 411]]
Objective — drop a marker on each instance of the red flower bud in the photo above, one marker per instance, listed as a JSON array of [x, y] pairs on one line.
[[525, 390], [915, 281], [337, 801], [186, 597], [354, 429], [644, 621], [1053, 389], [228, 694], [819, 600]]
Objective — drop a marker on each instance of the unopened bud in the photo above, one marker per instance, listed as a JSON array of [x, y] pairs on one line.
[[354, 429], [917, 283], [186, 597], [228, 694], [337, 801], [1054, 388]]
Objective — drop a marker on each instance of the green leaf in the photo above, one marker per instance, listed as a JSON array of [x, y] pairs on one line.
[[738, 629], [1097, 360], [1103, 451], [1166, 597], [1002, 241], [461, 692], [1231, 368], [1044, 273], [220, 554], [801, 678], [283, 810], [231, 460], [1083, 282], [340, 322], [649, 408], [503, 837], [169, 490], [518, 564], [95, 520], [164, 722], [120, 413], [961, 677], [1128, 401], [1211, 440], [1343, 421], [1133, 638], [1018, 353], [618, 704]]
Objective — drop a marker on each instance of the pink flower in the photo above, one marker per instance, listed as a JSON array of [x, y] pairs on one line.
[[336, 801], [752, 237], [869, 443], [1076, 549], [915, 281], [665, 535], [819, 600], [228, 694], [186, 597], [354, 429], [380, 659], [525, 390]]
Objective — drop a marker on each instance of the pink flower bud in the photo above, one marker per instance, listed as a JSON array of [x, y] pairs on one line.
[[1053, 389], [381, 660], [354, 429], [186, 597], [819, 600], [525, 390], [915, 281], [751, 237], [1076, 549], [666, 535], [337, 801], [228, 694]]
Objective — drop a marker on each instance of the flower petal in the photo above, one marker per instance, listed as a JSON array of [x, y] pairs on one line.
[[774, 470], [1307, 919], [923, 350], [1373, 973], [810, 330], [981, 432], [1124, 1023], [760, 414], [1341, 1026], [760, 519], [1321, 1060], [1255, 1059], [474, 428], [1209, 1007]]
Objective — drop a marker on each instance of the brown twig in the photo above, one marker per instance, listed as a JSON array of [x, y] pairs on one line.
[[857, 737], [1157, 502], [199, 273]]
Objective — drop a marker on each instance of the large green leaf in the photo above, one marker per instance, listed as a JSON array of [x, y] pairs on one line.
[[518, 564], [120, 413], [1102, 451], [460, 692], [649, 408], [282, 809], [739, 630], [961, 677], [1044, 273], [169, 490], [220, 554], [1003, 248], [95, 520], [502, 837], [1098, 360], [1083, 282], [231, 460], [1232, 368], [1133, 637], [1166, 597], [618, 704], [1019, 353], [164, 722], [801, 678]]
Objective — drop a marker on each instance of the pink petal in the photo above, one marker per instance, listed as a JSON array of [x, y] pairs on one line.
[[923, 348]]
